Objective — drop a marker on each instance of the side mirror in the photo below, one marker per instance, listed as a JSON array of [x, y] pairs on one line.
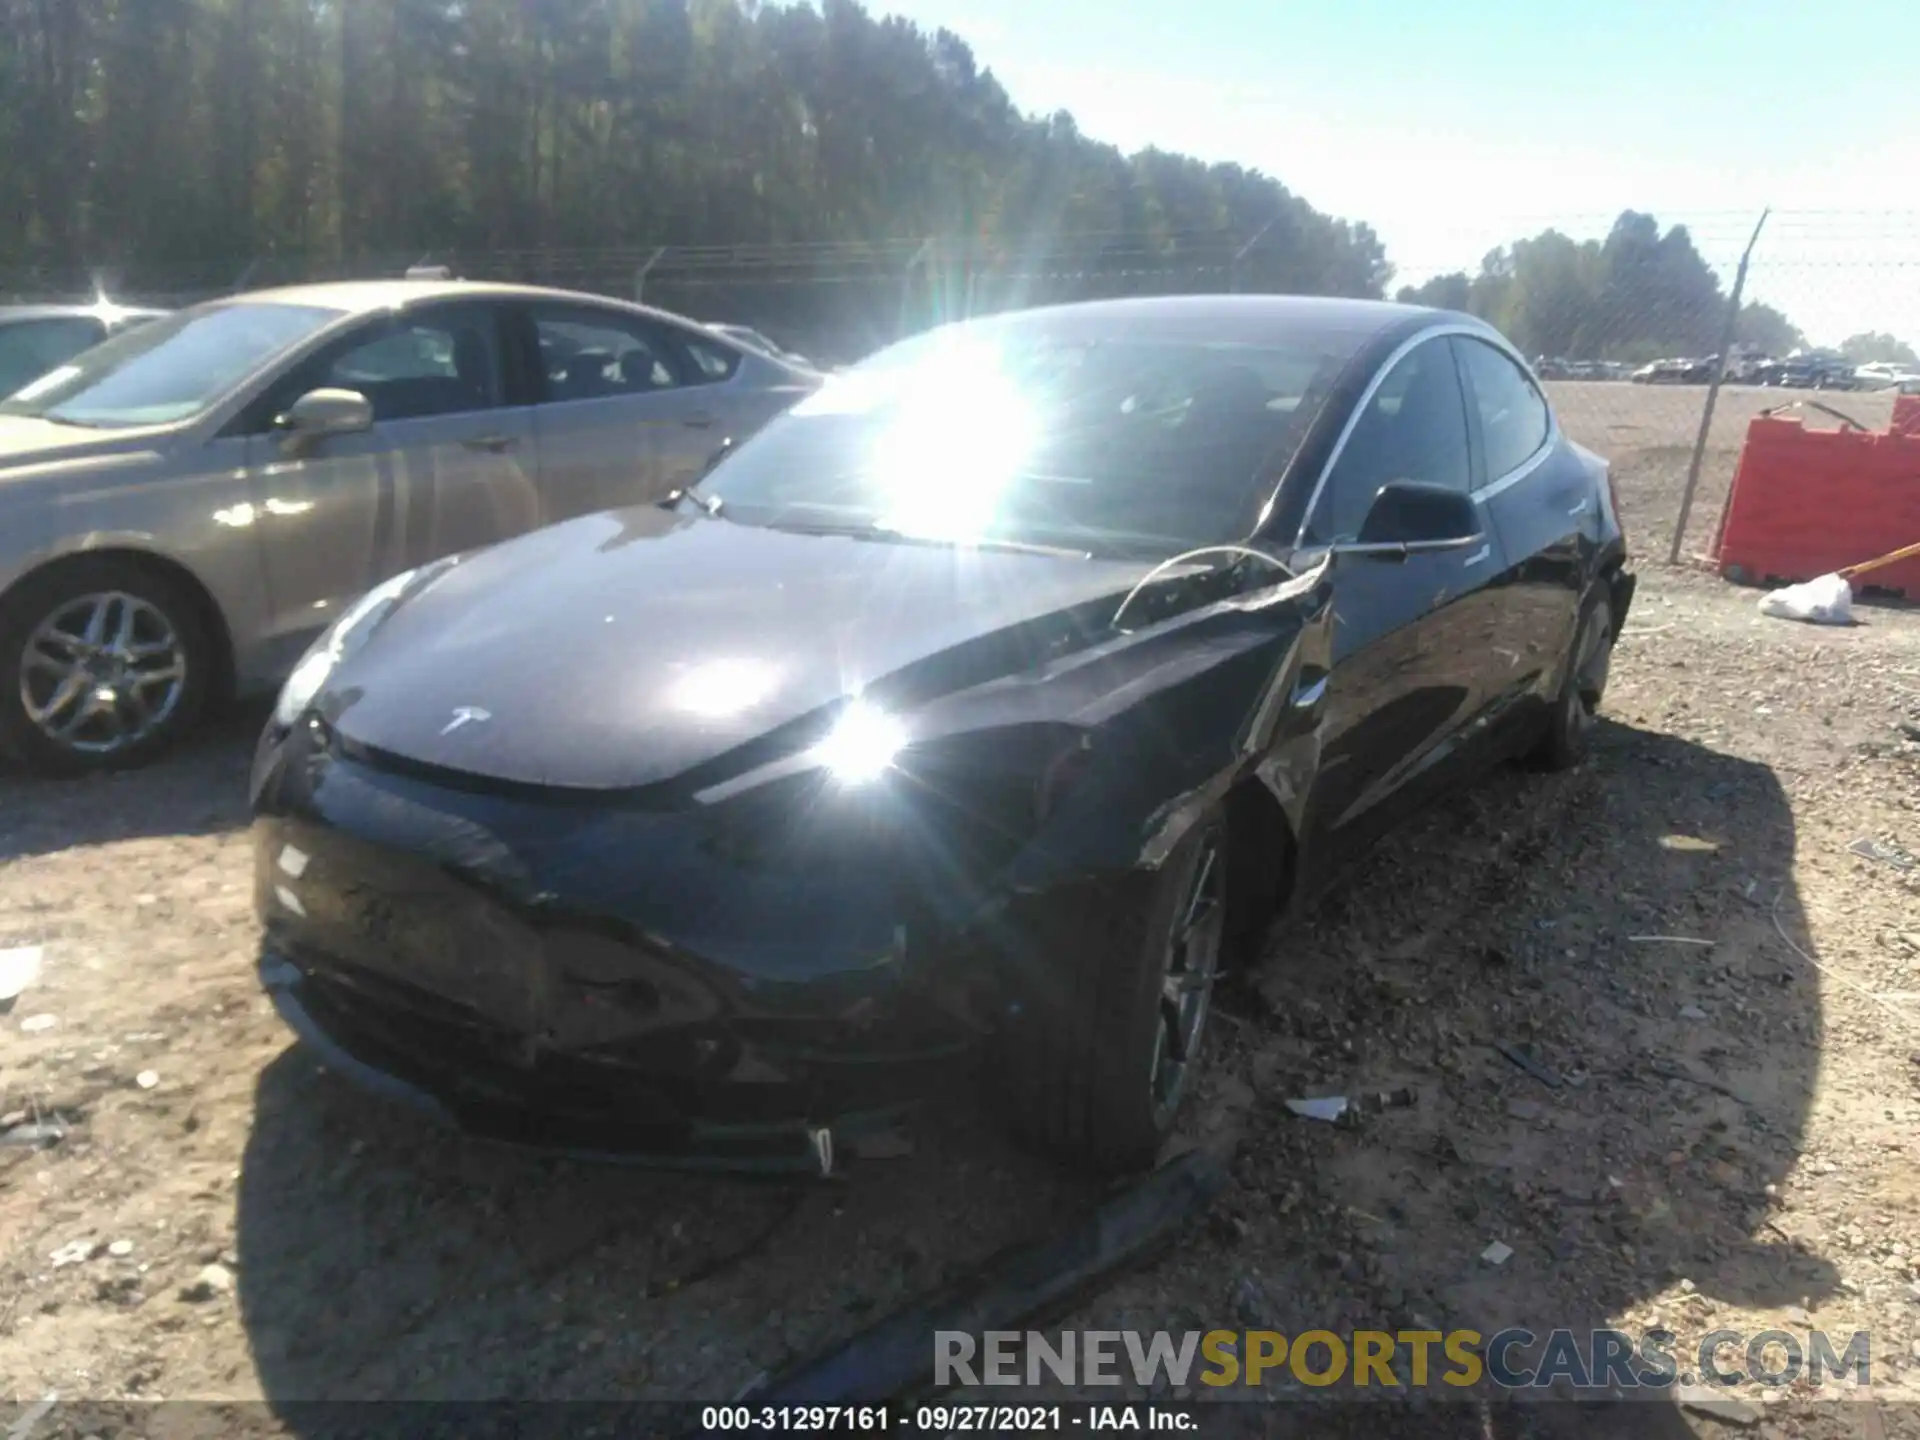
[[1409, 516], [320, 413]]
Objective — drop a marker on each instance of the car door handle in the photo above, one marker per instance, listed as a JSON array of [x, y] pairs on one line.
[[1477, 556], [492, 444], [701, 421], [1579, 509]]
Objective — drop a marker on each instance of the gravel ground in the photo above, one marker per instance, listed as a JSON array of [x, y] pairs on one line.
[[1732, 1144]]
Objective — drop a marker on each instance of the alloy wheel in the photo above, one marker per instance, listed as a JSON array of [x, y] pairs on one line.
[[1186, 985], [102, 673]]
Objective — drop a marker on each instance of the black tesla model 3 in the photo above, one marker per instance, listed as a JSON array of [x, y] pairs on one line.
[[985, 705]]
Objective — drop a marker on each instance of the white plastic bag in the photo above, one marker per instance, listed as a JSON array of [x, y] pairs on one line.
[[1825, 601]]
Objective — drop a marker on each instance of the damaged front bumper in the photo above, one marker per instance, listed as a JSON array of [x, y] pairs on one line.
[[597, 981]]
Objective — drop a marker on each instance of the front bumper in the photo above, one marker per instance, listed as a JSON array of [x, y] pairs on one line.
[[434, 1085], [553, 976]]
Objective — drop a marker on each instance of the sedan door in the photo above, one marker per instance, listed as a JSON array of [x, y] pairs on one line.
[[629, 409], [447, 465], [1410, 674], [1544, 510]]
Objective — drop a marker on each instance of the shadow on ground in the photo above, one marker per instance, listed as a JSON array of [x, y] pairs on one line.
[[382, 1259], [199, 790]]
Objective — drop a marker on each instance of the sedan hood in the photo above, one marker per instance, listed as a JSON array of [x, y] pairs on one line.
[[27, 443], [624, 649]]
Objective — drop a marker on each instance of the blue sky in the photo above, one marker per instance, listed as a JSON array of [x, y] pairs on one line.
[[1454, 125]]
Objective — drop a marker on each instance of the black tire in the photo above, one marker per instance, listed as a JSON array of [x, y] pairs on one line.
[[1086, 1075], [1583, 684], [153, 626]]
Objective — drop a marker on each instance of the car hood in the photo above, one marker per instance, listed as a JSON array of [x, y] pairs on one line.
[[623, 649], [26, 442]]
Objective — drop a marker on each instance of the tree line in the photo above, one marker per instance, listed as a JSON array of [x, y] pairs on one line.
[[151, 137], [1639, 294], [158, 132]]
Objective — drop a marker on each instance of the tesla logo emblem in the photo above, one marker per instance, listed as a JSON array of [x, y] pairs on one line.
[[465, 715]]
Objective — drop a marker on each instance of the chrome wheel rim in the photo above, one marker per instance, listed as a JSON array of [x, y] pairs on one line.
[[102, 673], [1186, 981]]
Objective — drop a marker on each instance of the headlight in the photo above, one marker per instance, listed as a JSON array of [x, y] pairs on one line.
[[861, 745], [341, 639]]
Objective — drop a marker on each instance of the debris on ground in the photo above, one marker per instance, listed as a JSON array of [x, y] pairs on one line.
[[33, 1134], [1704, 1400], [1524, 1058], [1688, 845], [1827, 600], [147, 1079], [1498, 1253], [891, 1359], [19, 968], [1868, 848], [213, 1280], [1327, 1107], [74, 1252], [36, 1024]]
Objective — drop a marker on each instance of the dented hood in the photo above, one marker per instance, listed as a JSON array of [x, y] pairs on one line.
[[624, 649]]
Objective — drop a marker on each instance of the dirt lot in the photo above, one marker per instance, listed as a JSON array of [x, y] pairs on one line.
[[1733, 1143]]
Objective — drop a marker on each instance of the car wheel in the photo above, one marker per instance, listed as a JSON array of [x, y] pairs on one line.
[[104, 663], [1582, 685], [1094, 1069]]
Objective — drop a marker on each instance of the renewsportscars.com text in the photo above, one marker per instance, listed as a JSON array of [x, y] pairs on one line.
[[1512, 1359]]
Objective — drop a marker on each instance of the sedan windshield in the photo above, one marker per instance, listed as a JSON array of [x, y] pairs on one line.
[[167, 369], [1119, 442]]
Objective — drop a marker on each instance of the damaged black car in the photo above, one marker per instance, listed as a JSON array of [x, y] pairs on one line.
[[986, 706]]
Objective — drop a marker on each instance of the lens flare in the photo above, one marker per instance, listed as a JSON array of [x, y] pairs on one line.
[[862, 744]]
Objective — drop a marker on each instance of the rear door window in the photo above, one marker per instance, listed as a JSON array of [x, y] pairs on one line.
[[1514, 419]]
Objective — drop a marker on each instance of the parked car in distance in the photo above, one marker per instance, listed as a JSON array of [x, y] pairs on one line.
[[997, 695], [1888, 375], [746, 335], [1810, 370], [183, 507], [36, 338]]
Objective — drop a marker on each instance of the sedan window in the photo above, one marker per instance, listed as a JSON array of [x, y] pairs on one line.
[[30, 348], [591, 355], [1413, 427], [443, 365], [1122, 441], [171, 368], [1513, 417]]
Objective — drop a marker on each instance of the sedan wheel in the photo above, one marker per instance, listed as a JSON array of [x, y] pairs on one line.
[[107, 665], [1186, 984], [1107, 1038], [1582, 686]]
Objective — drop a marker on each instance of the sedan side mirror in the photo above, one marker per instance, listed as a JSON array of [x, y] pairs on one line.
[[1408, 516], [324, 412]]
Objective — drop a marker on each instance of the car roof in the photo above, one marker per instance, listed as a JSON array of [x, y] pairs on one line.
[[1335, 323], [61, 312], [365, 296]]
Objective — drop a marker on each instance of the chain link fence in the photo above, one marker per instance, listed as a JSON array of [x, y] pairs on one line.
[[1632, 326]]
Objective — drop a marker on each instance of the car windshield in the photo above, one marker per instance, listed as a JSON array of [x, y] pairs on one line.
[[1119, 442], [170, 368]]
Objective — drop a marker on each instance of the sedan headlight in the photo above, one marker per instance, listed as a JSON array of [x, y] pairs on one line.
[[341, 639]]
